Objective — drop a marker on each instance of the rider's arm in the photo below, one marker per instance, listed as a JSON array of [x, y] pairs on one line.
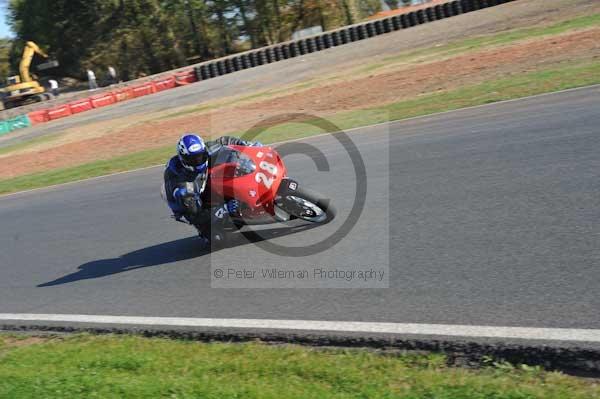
[[173, 191], [178, 191]]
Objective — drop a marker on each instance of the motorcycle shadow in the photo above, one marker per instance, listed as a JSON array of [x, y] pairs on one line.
[[168, 252]]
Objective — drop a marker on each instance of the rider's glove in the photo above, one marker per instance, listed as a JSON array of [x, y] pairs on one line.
[[251, 143], [184, 197], [181, 193], [233, 207]]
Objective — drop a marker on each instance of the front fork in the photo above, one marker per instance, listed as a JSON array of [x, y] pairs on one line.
[[287, 187]]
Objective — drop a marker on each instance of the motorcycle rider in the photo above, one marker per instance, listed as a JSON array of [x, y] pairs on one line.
[[186, 175]]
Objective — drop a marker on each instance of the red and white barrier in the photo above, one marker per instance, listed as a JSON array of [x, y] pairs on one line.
[[185, 77], [123, 94], [59, 112], [40, 116], [103, 100], [108, 98], [80, 106], [143, 90], [165, 84]]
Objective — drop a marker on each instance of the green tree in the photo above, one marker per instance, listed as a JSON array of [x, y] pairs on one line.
[[151, 36], [5, 69]]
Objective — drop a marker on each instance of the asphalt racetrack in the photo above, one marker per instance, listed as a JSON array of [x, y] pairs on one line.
[[486, 216]]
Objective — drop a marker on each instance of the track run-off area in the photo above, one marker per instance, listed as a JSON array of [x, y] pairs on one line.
[[484, 220]]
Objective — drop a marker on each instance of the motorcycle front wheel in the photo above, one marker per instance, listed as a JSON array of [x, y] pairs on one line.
[[307, 205]]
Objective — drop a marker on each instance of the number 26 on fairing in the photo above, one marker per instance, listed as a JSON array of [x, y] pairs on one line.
[[262, 178]]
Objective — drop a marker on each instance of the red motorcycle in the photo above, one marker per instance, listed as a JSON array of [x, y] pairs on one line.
[[257, 177]]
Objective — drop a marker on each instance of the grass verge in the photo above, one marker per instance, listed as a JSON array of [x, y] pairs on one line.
[[488, 41], [557, 78], [410, 58], [86, 366]]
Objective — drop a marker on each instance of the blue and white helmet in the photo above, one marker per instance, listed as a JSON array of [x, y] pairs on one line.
[[193, 153]]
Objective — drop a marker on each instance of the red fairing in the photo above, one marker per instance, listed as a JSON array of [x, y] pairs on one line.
[[257, 189]]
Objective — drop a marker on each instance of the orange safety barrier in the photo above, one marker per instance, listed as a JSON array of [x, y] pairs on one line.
[[59, 112], [185, 78], [102, 100], [143, 90], [123, 94], [80, 106], [40, 116], [164, 84]]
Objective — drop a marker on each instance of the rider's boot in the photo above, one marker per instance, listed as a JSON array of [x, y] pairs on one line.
[[204, 241]]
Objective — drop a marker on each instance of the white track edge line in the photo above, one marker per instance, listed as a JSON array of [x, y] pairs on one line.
[[354, 129], [526, 333]]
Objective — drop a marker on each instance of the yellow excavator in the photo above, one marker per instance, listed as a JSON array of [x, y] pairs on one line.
[[23, 89]]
